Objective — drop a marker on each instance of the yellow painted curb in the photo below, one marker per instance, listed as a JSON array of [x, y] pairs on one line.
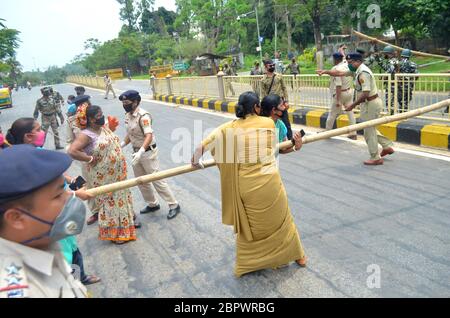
[[313, 118], [232, 107], [291, 114], [435, 135], [195, 102], [342, 120], [218, 105], [389, 130]]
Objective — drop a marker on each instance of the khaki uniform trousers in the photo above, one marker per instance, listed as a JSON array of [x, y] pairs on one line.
[[346, 99], [371, 110], [149, 164], [109, 88]]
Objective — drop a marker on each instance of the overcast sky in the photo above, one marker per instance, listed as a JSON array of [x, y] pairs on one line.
[[53, 31]]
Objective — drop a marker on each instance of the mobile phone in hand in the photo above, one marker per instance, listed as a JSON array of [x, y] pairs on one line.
[[302, 132], [78, 184]]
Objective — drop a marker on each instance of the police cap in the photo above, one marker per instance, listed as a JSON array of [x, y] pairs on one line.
[[81, 99], [131, 95], [355, 56], [337, 55], [268, 62], [25, 169]]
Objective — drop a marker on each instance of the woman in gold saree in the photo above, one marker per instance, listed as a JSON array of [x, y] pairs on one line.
[[254, 200]]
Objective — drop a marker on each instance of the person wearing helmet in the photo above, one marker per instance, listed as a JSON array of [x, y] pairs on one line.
[[390, 65], [49, 108], [229, 71], [406, 85], [59, 100]]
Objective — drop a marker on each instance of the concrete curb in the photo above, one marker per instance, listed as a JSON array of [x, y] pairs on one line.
[[414, 131]]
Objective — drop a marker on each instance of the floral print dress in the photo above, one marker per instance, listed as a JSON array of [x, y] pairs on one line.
[[115, 210]]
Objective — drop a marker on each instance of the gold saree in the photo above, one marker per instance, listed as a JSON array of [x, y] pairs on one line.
[[254, 200]]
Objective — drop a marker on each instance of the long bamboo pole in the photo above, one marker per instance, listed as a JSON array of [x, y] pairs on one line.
[[361, 35], [285, 145]]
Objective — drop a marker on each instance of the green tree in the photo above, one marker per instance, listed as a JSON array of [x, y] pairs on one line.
[[9, 43], [128, 14]]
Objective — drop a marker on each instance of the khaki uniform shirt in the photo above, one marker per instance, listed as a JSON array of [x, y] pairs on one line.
[[27, 272], [365, 81], [138, 125], [344, 82], [278, 87], [108, 81], [47, 106]]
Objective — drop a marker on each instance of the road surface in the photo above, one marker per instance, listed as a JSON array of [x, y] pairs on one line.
[[356, 222]]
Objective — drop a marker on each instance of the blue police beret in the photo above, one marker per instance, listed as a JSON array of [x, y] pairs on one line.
[[25, 168], [268, 62], [81, 99], [337, 55], [130, 95], [355, 56]]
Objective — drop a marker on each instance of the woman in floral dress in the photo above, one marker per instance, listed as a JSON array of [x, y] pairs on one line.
[[99, 150]]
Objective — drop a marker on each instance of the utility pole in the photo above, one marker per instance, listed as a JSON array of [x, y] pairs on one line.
[[276, 33], [259, 35]]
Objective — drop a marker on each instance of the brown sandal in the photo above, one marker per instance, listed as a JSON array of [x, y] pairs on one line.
[[119, 242], [91, 279], [92, 219]]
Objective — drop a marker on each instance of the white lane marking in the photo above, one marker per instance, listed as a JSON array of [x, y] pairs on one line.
[[227, 115]]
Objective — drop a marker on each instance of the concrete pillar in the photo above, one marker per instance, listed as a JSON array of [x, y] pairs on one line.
[[153, 86], [169, 85], [221, 86]]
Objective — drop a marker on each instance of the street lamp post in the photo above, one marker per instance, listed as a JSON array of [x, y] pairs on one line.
[[257, 27], [259, 36]]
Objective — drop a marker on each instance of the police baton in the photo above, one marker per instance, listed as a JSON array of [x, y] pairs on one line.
[[284, 145]]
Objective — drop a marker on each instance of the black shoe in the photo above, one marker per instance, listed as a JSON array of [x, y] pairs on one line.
[[173, 213], [59, 148], [149, 209]]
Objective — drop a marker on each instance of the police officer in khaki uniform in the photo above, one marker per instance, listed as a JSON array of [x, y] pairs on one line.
[[273, 83], [371, 106], [341, 94], [35, 213], [49, 108], [108, 86], [145, 158]]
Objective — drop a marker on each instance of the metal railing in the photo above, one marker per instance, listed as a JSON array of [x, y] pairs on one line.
[[91, 81], [401, 92]]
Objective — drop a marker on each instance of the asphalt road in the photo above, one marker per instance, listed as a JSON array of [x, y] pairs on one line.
[[354, 220]]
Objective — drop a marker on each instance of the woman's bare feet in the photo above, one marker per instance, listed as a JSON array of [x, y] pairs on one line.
[[302, 262]]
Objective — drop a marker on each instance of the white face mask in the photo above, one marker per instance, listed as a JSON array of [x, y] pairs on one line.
[[68, 223]]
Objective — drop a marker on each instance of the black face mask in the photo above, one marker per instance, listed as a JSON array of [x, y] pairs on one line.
[[271, 69], [101, 121], [128, 108]]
